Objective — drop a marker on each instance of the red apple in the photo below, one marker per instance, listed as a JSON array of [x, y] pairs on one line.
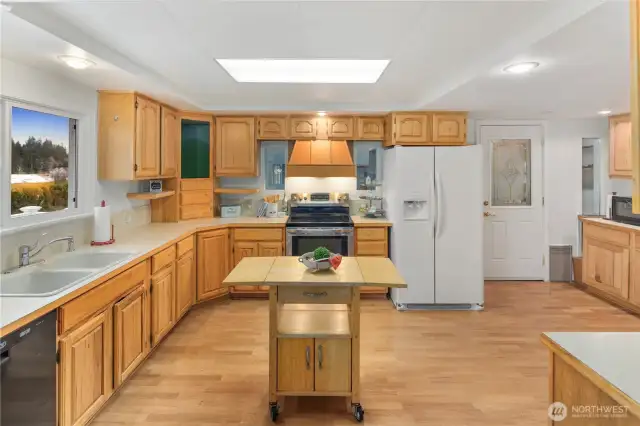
[[335, 260]]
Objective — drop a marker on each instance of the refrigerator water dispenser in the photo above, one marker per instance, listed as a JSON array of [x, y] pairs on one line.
[[416, 210]]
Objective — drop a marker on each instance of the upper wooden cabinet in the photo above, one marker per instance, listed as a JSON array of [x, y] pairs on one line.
[[449, 128], [340, 127], [370, 128], [620, 156], [236, 147], [128, 137], [275, 128], [303, 127], [411, 128], [169, 142], [212, 245]]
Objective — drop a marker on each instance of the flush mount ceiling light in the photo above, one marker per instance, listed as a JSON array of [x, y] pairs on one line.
[[521, 67], [304, 70], [76, 62], [321, 113], [604, 112]]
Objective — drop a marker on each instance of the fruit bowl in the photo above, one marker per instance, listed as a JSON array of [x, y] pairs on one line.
[[315, 265]]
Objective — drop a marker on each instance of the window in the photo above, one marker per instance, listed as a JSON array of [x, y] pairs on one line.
[[42, 162], [368, 156], [274, 155]]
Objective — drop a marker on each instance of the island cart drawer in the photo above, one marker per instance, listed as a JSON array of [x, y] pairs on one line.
[[312, 294]]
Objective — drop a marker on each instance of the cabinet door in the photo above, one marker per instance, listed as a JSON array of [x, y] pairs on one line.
[[333, 365], [185, 283], [340, 127], [213, 263], [131, 336], [169, 142], [236, 147], [606, 266], [634, 292], [85, 372], [370, 128], [302, 127], [273, 128], [241, 250], [147, 138], [270, 249], [295, 365], [620, 161], [449, 128], [162, 303], [321, 152], [411, 129]]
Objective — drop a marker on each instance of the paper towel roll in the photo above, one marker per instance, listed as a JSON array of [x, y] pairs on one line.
[[101, 224]]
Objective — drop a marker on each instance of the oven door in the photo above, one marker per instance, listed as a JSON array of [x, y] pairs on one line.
[[304, 240]]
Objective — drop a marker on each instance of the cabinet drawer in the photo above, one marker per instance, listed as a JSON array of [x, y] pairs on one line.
[[195, 184], [371, 248], [257, 234], [82, 307], [324, 295], [196, 197], [196, 211], [162, 259], [371, 234], [184, 246], [609, 235]]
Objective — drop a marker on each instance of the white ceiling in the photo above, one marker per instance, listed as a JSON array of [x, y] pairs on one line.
[[444, 54]]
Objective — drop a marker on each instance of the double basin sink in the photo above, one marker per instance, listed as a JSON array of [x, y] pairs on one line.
[[59, 274]]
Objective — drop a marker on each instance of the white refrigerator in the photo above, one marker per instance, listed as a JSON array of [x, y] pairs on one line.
[[434, 198]]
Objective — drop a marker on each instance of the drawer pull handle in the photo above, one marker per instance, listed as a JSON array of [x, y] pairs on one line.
[[320, 357], [319, 294], [308, 357]]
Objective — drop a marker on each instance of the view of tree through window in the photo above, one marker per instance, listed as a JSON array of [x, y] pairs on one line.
[[40, 147]]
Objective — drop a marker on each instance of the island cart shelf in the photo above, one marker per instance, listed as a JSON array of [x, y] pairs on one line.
[[314, 323]]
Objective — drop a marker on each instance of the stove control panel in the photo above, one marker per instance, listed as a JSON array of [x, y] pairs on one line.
[[339, 198]]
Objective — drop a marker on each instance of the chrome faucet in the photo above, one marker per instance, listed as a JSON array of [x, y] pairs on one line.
[[26, 252]]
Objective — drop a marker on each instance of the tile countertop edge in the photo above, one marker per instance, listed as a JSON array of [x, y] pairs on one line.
[[153, 243], [586, 349]]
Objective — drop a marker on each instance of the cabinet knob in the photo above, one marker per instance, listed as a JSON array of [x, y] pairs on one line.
[[308, 357], [320, 357]]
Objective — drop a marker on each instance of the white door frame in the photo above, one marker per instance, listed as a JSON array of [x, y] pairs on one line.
[[545, 212]]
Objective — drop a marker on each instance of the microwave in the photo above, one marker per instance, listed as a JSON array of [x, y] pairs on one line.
[[621, 211]]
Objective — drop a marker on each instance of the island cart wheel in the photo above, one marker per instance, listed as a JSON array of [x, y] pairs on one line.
[[274, 410], [358, 412]]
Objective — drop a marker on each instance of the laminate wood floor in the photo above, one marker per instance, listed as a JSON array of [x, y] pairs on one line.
[[418, 368]]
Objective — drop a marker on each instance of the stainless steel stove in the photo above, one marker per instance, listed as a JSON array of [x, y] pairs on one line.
[[319, 220]]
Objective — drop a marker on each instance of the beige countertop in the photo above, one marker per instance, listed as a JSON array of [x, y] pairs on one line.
[[139, 243], [610, 223]]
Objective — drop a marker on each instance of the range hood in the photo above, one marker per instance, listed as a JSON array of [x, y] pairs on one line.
[[321, 158]]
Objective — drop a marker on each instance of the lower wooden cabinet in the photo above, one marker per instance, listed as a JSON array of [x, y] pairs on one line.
[[314, 365], [162, 303], [252, 248], [212, 252], [185, 283], [634, 290], [131, 334], [606, 266], [85, 374]]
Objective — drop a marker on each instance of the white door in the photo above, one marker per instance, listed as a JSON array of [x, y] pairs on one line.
[[513, 212]]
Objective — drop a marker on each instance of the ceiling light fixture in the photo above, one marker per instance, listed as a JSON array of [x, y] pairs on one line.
[[521, 67], [304, 70], [76, 62], [322, 113], [604, 112]]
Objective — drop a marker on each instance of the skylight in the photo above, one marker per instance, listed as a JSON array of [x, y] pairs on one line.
[[304, 70]]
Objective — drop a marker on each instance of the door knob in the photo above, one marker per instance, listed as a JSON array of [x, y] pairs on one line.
[[486, 203], [487, 214]]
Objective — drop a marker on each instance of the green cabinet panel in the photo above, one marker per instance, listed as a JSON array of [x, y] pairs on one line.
[[195, 147]]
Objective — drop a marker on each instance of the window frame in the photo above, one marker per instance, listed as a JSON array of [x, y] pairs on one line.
[[9, 223]]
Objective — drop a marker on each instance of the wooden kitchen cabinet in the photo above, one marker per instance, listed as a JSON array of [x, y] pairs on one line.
[[634, 290], [274, 128], [449, 128], [333, 365], [370, 128], [303, 127], [620, 156], [162, 303], [270, 249], [147, 163], [411, 128], [85, 373], [169, 142], [296, 365], [131, 334], [606, 266], [255, 242], [340, 127], [185, 283], [212, 253], [236, 147]]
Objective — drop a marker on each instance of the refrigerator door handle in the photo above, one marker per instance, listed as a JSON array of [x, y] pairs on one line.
[[439, 214], [434, 208]]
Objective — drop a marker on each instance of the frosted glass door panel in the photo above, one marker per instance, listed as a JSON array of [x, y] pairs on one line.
[[511, 172]]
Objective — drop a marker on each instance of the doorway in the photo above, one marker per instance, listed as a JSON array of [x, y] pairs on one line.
[[590, 177], [513, 200]]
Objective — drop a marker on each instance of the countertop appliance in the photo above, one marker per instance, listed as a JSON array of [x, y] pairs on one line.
[[230, 211], [434, 197], [28, 374], [621, 211], [319, 219]]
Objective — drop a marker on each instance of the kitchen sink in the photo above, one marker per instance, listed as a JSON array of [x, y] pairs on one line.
[[40, 282], [86, 260]]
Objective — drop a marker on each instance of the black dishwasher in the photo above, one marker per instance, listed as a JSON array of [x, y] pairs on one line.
[[28, 374]]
